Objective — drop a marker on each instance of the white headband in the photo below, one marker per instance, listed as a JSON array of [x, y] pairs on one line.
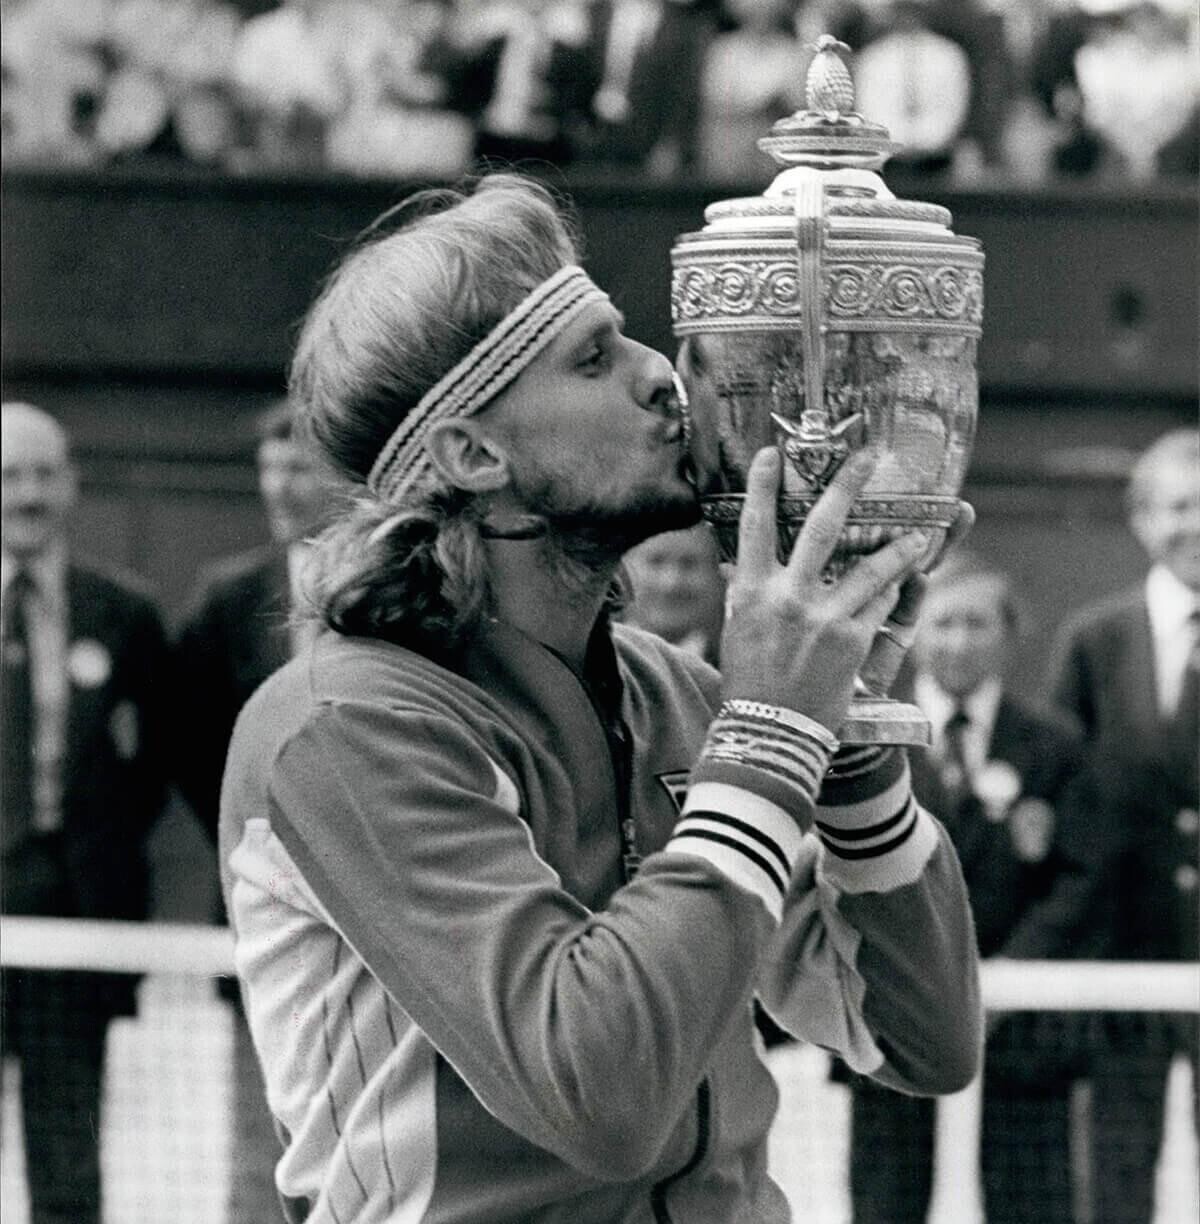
[[480, 376]]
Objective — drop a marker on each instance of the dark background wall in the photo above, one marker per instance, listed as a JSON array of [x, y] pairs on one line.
[[154, 314]]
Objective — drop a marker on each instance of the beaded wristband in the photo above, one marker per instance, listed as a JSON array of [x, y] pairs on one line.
[[759, 711], [786, 750]]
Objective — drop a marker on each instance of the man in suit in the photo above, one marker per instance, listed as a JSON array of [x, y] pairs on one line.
[[1127, 669], [1007, 783], [677, 590], [84, 664], [244, 623], [522, 71], [648, 57]]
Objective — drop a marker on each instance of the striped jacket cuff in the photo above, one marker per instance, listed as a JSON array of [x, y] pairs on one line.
[[749, 839], [876, 837]]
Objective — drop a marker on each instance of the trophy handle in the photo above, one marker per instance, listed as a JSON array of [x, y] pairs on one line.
[[815, 447], [809, 204]]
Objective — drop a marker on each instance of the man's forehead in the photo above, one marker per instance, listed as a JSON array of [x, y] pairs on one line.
[[29, 433], [1181, 474], [963, 591]]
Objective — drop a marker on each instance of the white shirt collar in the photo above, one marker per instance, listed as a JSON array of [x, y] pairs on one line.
[[980, 706], [1169, 601], [1169, 604]]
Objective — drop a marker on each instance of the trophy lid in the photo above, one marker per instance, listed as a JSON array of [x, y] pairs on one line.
[[829, 133], [831, 139]]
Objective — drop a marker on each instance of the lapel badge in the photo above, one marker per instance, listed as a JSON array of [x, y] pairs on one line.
[[89, 664], [997, 786], [1031, 826]]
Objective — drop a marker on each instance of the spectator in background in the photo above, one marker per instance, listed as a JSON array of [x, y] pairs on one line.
[[520, 69], [170, 92], [1006, 782], [937, 74], [648, 58], [52, 54], [84, 703], [1118, 78], [242, 627], [917, 82], [1128, 669], [397, 121], [296, 69], [1139, 91], [753, 75], [677, 589]]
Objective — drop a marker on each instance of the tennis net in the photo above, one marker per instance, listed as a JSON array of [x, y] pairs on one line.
[[165, 1139]]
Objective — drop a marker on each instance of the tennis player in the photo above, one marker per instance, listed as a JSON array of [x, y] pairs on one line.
[[506, 878]]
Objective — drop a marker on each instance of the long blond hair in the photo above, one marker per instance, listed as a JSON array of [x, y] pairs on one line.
[[410, 301]]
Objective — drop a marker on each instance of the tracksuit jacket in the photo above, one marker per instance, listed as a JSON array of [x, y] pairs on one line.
[[473, 1003]]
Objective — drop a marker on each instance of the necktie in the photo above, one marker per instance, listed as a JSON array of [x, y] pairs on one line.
[[955, 774], [16, 730], [1184, 724]]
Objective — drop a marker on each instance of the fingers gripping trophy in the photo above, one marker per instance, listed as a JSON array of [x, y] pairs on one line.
[[833, 322]]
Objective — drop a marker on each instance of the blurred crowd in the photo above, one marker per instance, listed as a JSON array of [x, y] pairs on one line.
[[1025, 89]]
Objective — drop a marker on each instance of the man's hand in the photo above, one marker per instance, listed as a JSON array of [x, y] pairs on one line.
[[792, 639], [896, 634]]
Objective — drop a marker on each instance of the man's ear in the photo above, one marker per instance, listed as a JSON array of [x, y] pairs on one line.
[[466, 457]]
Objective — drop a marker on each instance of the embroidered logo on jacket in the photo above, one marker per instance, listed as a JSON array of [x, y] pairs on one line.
[[675, 783]]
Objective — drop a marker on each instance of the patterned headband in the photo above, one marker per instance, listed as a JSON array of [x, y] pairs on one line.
[[480, 376]]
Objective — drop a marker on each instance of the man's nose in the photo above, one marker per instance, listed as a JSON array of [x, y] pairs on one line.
[[25, 490], [959, 642], [656, 379]]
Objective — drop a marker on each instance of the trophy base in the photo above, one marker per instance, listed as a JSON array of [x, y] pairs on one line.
[[884, 720]]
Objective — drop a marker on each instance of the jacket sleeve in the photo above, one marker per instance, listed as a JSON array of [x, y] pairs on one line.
[[409, 834], [146, 677], [1072, 685], [205, 711], [876, 958]]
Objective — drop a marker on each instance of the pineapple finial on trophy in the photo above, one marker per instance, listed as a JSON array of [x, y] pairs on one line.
[[828, 132], [829, 89]]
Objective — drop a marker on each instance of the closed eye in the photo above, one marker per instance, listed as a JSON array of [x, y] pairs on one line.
[[595, 360]]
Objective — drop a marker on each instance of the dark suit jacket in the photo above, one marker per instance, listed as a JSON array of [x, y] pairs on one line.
[[1045, 909], [1147, 789], [114, 776], [234, 637], [1102, 674], [115, 767]]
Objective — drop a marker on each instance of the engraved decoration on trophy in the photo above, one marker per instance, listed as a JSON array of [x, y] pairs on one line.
[[826, 316]]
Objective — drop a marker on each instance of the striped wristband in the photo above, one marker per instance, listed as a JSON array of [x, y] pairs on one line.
[[751, 796], [777, 753]]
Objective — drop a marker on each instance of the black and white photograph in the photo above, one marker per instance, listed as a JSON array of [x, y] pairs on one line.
[[600, 612]]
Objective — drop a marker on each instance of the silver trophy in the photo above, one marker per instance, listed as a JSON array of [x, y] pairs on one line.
[[826, 316]]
